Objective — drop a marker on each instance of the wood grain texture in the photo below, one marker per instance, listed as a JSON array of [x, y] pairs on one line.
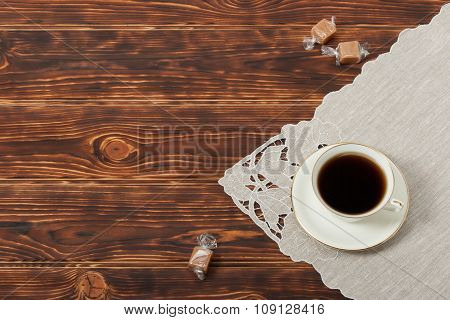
[[262, 64], [131, 13], [297, 282], [150, 224], [190, 87], [168, 140]]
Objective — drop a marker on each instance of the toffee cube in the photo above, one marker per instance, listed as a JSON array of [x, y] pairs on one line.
[[202, 254], [323, 31], [200, 259], [349, 52]]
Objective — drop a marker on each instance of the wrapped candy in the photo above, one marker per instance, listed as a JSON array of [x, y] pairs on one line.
[[320, 33], [202, 254], [347, 52]]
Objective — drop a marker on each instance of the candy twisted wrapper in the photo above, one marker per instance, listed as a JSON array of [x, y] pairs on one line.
[[347, 52], [207, 241], [320, 33], [202, 254]]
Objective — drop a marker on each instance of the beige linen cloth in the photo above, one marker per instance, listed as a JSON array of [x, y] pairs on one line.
[[400, 104]]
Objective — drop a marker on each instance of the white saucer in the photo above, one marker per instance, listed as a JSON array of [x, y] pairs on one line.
[[332, 230]]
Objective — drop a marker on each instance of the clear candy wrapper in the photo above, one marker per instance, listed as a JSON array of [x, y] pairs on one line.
[[202, 254], [320, 33], [347, 52]]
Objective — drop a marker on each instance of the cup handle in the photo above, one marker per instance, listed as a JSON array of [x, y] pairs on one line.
[[394, 205]]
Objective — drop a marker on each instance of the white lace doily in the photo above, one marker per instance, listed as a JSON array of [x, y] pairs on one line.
[[400, 104]]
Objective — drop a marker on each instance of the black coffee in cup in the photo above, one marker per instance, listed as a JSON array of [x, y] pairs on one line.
[[351, 183]]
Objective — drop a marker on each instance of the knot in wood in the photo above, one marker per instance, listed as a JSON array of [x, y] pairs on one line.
[[116, 150], [92, 286]]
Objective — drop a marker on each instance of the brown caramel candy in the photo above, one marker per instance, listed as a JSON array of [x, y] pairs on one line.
[[200, 259], [349, 52], [323, 31]]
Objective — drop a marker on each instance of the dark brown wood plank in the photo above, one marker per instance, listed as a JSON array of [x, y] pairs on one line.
[[256, 64], [58, 231], [147, 225], [169, 141], [296, 282], [131, 13]]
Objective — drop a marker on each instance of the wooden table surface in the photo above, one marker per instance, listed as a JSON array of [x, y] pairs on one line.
[[118, 117]]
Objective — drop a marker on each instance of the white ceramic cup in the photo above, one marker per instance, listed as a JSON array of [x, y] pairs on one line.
[[386, 203]]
